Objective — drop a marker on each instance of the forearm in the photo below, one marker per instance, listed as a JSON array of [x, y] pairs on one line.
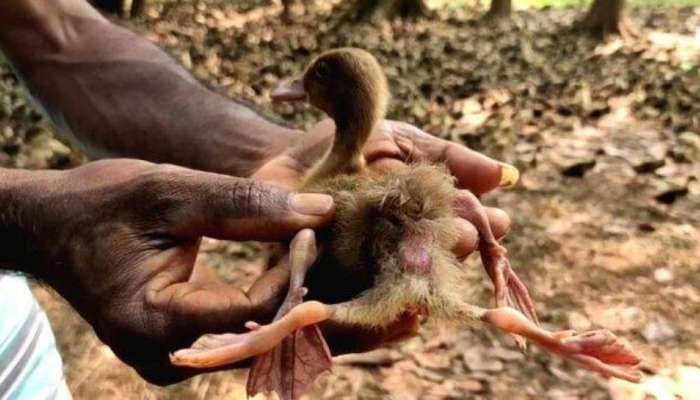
[[116, 94]]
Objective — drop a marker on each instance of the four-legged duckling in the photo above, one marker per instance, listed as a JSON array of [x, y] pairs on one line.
[[387, 252]]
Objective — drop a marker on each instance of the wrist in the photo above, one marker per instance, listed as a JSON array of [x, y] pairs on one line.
[[19, 192], [12, 235], [249, 142]]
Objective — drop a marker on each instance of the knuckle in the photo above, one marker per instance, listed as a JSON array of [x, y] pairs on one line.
[[155, 195], [158, 184], [409, 131], [149, 180], [467, 198], [254, 199]]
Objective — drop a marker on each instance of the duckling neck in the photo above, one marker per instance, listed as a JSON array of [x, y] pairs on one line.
[[350, 137], [345, 157]]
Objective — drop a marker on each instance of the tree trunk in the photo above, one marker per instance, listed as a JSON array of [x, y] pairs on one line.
[[138, 7], [133, 8], [110, 6], [287, 6], [380, 9], [604, 18], [500, 9]]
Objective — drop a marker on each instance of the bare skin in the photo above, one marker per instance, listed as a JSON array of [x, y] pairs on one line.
[[302, 255], [599, 351]]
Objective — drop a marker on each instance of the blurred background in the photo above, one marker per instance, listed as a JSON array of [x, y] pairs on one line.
[[597, 104]]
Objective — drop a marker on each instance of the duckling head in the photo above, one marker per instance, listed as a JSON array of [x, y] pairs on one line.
[[345, 83], [349, 85]]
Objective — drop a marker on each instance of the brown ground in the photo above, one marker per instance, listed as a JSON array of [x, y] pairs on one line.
[[606, 217]]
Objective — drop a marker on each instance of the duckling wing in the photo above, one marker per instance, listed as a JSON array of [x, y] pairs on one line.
[[292, 366]]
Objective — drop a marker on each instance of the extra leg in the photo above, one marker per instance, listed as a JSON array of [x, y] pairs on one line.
[[509, 290], [289, 368], [218, 350], [600, 351]]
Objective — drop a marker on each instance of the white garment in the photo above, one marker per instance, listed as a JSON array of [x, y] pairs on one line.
[[30, 366]]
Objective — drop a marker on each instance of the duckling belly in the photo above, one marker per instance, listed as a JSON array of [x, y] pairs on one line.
[[381, 306], [333, 280], [362, 268], [441, 294]]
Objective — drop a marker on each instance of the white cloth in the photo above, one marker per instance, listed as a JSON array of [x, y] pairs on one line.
[[30, 366]]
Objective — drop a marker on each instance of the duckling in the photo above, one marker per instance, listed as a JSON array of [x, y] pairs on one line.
[[380, 218], [387, 252]]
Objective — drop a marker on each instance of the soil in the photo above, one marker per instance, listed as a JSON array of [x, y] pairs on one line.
[[606, 218]]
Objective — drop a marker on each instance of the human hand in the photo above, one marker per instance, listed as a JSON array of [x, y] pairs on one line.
[[119, 238]]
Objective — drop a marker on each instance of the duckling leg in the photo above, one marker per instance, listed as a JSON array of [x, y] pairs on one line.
[[289, 368], [599, 351], [211, 351], [509, 290]]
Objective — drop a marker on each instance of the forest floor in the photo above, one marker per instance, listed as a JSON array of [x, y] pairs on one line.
[[606, 218]]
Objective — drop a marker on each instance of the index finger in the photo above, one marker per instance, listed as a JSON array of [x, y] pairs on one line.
[[477, 172], [473, 170]]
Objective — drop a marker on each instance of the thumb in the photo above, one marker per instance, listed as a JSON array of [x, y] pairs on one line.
[[223, 207]]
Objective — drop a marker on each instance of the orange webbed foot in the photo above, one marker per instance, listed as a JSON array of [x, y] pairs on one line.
[[509, 290], [599, 351]]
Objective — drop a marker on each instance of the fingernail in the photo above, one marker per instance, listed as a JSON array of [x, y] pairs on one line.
[[312, 204], [509, 175]]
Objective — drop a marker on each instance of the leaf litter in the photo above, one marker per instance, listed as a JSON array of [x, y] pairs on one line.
[[605, 219]]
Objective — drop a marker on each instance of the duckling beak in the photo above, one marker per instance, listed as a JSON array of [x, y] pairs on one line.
[[289, 90]]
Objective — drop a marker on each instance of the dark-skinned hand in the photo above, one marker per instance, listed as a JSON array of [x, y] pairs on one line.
[[118, 239]]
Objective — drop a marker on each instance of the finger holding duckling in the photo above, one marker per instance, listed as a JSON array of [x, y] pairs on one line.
[[390, 145], [472, 170]]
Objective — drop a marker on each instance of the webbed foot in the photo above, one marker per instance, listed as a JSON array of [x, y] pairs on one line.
[[600, 350]]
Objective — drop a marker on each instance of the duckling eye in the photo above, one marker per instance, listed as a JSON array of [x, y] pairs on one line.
[[321, 70]]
